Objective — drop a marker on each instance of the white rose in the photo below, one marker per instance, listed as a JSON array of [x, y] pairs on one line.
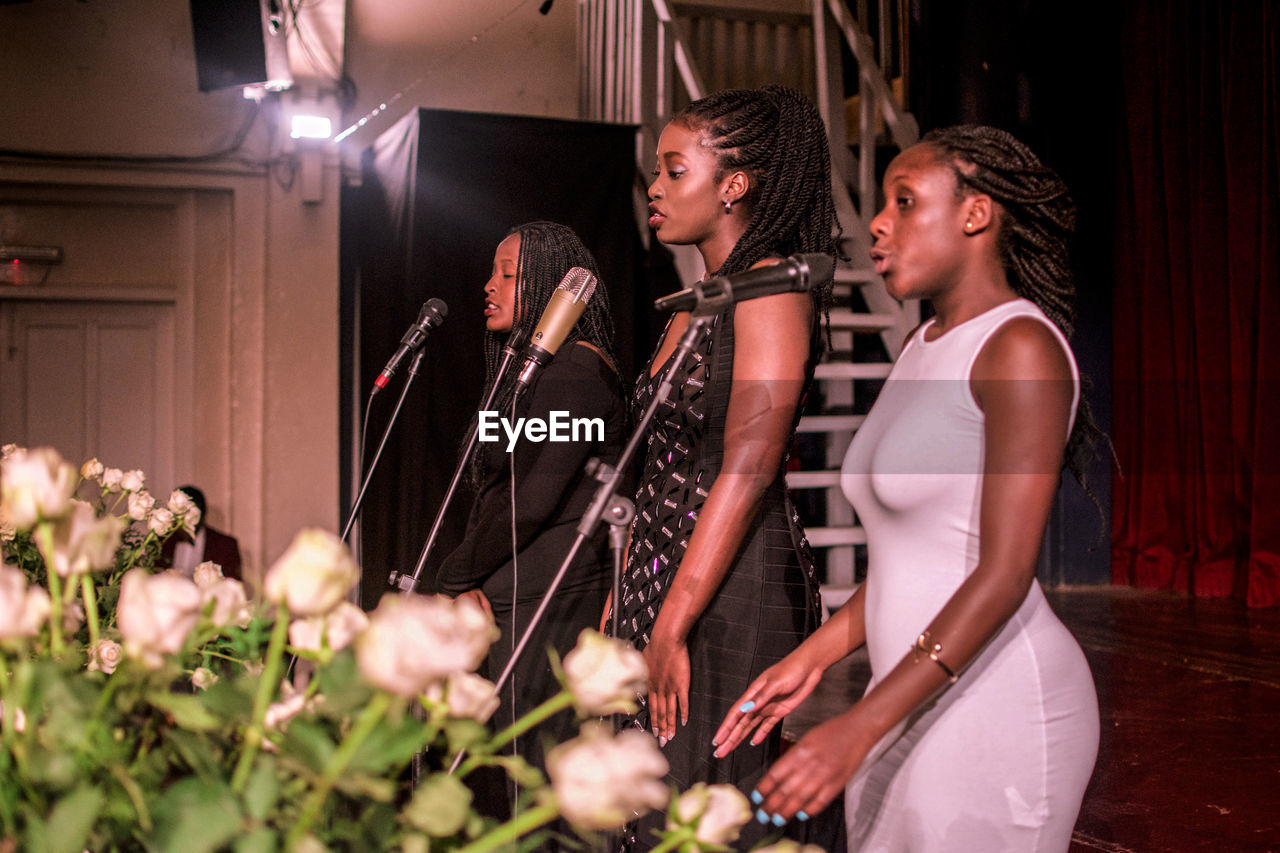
[[133, 481], [7, 530], [161, 521], [104, 656], [82, 542], [180, 502], [36, 484], [715, 812], [92, 469], [203, 679], [292, 702], [466, 695], [156, 613], [230, 603], [786, 845], [206, 574], [313, 574], [343, 624], [413, 642], [111, 478], [140, 504], [604, 675], [23, 609], [601, 781]]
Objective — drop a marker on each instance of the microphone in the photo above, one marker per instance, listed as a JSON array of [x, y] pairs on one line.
[[563, 310], [432, 314], [796, 274]]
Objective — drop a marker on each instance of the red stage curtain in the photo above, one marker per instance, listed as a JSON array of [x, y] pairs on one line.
[[1197, 349]]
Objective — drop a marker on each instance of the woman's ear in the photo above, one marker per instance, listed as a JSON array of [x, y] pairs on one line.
[[734, 186], [980, 213]]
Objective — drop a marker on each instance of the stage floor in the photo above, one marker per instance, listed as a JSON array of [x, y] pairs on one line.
[[1189, 693]]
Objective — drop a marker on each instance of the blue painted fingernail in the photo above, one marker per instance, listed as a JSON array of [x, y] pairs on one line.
[[747, 706], [756, 797], [761, 816], [801, 816], [779, 820]]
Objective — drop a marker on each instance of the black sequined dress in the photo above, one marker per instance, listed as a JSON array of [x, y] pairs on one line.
[[768, 602]]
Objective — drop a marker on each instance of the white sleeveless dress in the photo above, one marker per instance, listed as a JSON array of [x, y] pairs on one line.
[[1001, 760]]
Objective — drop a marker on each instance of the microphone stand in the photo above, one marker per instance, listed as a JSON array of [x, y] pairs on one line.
[[407, 584], [606, 504], [386, 433]]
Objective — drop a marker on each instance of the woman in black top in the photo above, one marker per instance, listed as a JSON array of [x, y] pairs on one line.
[[507, 567]]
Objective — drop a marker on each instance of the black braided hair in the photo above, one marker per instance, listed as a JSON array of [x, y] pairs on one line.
[[1036, 225], [775, 135], [548, 251]]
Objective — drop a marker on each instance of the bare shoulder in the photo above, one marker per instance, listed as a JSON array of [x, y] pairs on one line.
[[1022, 348]]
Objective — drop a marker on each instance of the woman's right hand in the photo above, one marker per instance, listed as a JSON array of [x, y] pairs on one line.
[[777, 692]]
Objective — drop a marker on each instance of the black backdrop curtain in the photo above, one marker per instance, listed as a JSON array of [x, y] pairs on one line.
[[1197, 372], [440, 190]]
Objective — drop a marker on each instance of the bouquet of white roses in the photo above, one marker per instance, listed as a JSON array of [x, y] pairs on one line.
[[141, 709]]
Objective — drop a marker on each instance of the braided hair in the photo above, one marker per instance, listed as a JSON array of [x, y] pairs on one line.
[[1037, 221], [548, 251], [775, 135]]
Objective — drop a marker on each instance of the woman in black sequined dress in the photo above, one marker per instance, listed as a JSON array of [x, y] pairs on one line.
[[720, 582]]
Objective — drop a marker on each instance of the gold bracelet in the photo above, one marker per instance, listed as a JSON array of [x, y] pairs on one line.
[[924, 643]]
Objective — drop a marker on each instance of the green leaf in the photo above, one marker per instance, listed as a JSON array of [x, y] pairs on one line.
[[72, 819], [196, 816], [196, 751], [308, 742], [463, 734], [230, 698], [440, 806], [260, 840], [187, 711], [389, 746], [366, 786], [521, 772], [263, 788]]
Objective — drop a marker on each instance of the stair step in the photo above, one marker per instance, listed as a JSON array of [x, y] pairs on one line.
[[812, 479], [831, 537], [852, 370], [861, 321], [830, 423]]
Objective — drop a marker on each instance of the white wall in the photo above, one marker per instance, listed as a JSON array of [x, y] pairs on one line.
[[118, 79]]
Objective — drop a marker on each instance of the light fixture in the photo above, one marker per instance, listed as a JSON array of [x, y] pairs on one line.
[[305, 126], [21, 265]]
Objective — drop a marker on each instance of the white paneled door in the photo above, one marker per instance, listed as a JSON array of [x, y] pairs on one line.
[[91, 378]]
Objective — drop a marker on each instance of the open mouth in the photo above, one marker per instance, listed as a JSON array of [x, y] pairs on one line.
[[880, 258], [656, 217]]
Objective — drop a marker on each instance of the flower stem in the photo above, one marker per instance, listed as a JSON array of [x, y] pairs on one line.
[[90, 607], [671, 842], [364, 726], [266, 688], [512, 829], [44, 541], [552, 706]]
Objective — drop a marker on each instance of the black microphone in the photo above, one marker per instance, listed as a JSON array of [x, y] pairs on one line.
[[566, 305], [432, 314], [796, 274]]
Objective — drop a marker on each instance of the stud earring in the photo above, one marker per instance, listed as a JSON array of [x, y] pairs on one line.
[[968, 226], [728, 206]]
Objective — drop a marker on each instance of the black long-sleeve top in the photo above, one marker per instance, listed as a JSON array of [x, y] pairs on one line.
[[552, 491]]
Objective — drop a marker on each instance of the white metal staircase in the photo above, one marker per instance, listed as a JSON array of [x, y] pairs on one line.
[[637, 66]]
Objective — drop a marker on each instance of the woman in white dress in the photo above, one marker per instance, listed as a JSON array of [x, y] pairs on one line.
[[979, 729]]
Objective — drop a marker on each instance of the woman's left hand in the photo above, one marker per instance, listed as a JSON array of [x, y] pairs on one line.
[[668, 661], [814, 772]]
